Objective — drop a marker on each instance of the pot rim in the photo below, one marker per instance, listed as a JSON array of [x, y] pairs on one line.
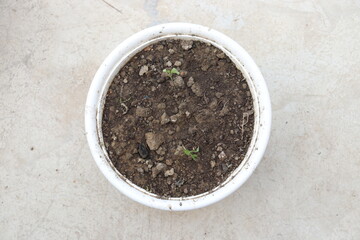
[[122, 54]]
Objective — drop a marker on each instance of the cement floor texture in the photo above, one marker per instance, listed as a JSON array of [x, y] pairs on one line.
[[306, 187]]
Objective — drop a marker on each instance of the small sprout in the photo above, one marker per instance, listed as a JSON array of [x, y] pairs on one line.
[[170, 72], [192, 153]]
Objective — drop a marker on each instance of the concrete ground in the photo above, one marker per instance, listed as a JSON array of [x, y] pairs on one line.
[[307, 186]]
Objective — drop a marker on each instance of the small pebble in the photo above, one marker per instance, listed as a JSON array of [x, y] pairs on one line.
[[164, 119], [173, 118], [168, 162], [186, 44], [179, 150], [212, 164], [179, 81], [161, 106], [219, 94], [177, 63], [125, 81], [224, 167], [171, 51], [157, 169], [144, 69], [168, 64], [213, 104], [161, 151], [169, 172], [142, 112], [140, 170], [150, 58], [205, 67], [190, 82], [154, 140], [222, 155], [143, 150], [196, 89], [182, 105], [160, 47], [220, 55]]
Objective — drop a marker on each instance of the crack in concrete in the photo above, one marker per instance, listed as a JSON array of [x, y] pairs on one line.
[[110, 5]]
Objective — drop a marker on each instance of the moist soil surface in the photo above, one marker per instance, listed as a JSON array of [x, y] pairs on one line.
[[151, 116]]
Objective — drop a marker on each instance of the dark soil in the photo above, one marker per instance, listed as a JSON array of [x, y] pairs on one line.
[[149, 118]]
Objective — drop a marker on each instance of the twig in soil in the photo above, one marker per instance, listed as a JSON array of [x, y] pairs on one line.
[[224, 105], [122, 102], [245, 120], [206, 99]]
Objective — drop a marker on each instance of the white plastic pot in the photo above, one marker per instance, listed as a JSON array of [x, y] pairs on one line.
[[117, 59]]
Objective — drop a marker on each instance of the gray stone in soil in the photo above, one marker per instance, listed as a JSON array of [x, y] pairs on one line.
[[219, 94], [161, 151], [142, 112], [164, 119], [169, 172], [222, 156], [161, 106], [160, 167], [213, 104], [186, 44], [190, 82], [205, 67], [174, 118], [220, 55], [196, 89], [182, 106], [179, 82], [177, 63], [224, 167], [144, 69], [178, 150], [154, 140], [143, 150]]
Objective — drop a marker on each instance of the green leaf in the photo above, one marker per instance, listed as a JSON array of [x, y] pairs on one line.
[[165, 70], [174, 70]]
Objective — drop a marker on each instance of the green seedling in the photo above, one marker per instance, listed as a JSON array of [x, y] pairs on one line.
[[170, 72], [192, 153]]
